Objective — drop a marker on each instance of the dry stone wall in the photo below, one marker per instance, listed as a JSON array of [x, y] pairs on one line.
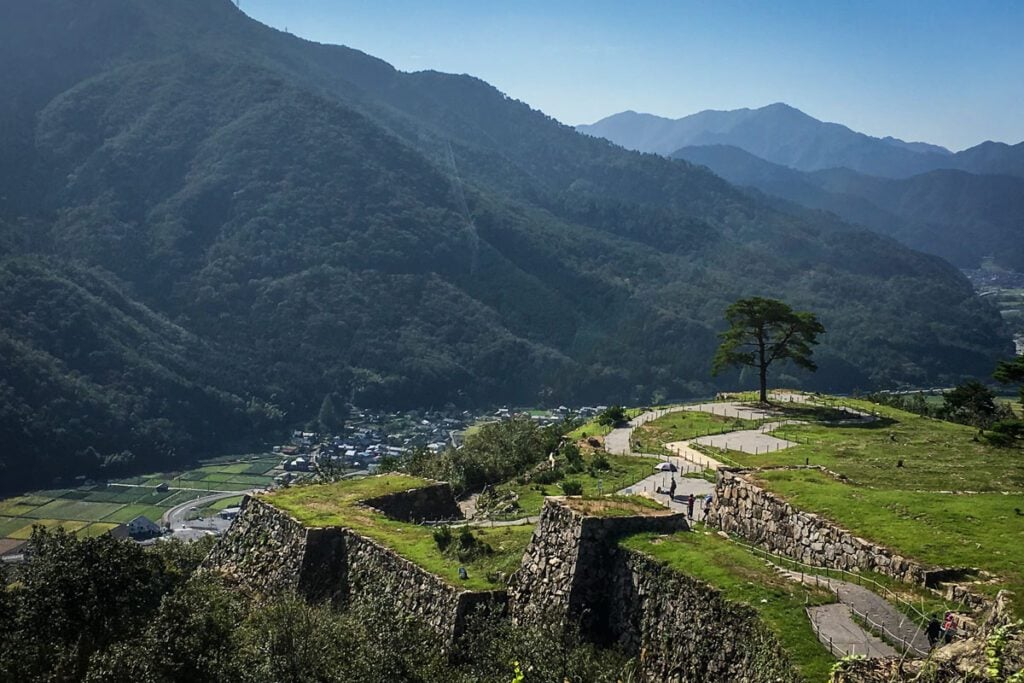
[[679, 628], [766, 520], [432, 503], [270, 552], [684, 630]]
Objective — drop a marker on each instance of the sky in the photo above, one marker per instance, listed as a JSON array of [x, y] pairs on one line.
[[949, 73]]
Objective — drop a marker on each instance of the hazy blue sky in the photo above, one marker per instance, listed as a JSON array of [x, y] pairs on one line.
[[950, 73]]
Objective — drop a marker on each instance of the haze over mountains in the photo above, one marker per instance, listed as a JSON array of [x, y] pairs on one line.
[[207, 225], [784, 135], [964, 207]]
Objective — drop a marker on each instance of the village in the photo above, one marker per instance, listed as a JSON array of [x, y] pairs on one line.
[[369, 437]]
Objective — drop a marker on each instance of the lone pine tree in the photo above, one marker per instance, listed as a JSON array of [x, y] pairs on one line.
[[762, 331]]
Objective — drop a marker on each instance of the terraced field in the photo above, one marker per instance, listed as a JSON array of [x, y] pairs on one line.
[[93, 509]]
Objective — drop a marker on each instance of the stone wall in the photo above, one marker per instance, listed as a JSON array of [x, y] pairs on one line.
[[431, 503], [269, 552], [679, 628], [550, 579], [684, 630], [766, 520]]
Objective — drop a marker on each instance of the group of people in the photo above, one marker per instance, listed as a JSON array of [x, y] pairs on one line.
[[691, 500], [944, 632]]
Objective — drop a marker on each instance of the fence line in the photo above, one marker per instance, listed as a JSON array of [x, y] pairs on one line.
[[859, 579]]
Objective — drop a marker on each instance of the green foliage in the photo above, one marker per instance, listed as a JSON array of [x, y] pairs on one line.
[[614, 415], [499, 451], [970, 403], [442, 537], [762, 331], [267, 234], [572, 488]]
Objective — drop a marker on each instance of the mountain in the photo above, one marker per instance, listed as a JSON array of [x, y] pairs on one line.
[[959, 216], [304, 220], [788, 137]]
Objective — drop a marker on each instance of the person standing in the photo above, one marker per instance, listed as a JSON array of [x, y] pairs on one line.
[[672, 489], [689, 505], [933, 630]]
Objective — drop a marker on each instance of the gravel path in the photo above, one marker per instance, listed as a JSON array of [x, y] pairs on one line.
[[842, 635]]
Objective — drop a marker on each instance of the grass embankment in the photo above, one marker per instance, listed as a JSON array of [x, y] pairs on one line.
[[983, 530], [337, 504], [909, 508], [617, 506], [624, 471], [593, 428], [681, 426], [936, 455], [745, 579]]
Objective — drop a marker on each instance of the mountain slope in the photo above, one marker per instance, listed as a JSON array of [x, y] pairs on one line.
[[959, 216], [786, 136], [333, 225]]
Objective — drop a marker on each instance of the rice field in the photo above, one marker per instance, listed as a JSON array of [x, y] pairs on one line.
[[95, 509]]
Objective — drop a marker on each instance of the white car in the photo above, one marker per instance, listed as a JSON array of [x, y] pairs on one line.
[[666, 467]]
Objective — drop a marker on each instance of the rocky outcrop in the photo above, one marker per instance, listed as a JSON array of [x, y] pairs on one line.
[[680, 629], [766, 520], [432, 503]]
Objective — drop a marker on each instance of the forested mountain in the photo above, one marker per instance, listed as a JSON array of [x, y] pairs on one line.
[[786, 136], [270, 220], [959, 216]]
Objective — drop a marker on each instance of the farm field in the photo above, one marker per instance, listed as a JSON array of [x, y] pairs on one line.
[[93, 509]]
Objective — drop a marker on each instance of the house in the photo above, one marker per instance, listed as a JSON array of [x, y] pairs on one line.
[[229, 513], [138, 529], [162, 487]]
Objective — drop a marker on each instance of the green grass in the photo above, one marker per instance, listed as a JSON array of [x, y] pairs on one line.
[[745, 579], [616, 506], [75, 510], [130, 512], [336, 504], [9, 525], [95, 529], [976, 530], [25, 532], [936, 455], [683, 425], [592, 428], [218, 505], [625, 471]]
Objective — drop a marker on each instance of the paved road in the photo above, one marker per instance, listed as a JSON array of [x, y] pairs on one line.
[[176, 515], [896, 627], [843, 636]]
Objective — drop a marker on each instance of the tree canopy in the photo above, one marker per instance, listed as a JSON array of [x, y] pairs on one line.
[[762, 331]]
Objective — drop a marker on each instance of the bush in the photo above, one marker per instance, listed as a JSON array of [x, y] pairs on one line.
[[612, 416], [549, 476], [443, 537], [600, 462], [572, 488]]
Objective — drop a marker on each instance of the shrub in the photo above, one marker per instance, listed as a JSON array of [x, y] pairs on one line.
[[549, 476], [600, 462], [443, 537], [572, 488]]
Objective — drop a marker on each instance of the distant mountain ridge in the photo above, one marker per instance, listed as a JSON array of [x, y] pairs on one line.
[[787, 136], [271, 220], [962, 217]]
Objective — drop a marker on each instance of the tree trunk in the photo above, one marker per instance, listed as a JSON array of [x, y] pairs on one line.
[[762, 369]]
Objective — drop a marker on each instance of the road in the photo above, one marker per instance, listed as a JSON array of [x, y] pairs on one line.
[[177, 514]]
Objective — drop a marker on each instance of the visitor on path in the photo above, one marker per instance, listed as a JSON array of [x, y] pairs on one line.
[[689, 505], [933, 631], [948, 628], [672, 489]]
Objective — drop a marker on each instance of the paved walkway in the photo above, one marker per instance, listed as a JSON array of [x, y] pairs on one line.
[[896, 627], [842, 635]]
